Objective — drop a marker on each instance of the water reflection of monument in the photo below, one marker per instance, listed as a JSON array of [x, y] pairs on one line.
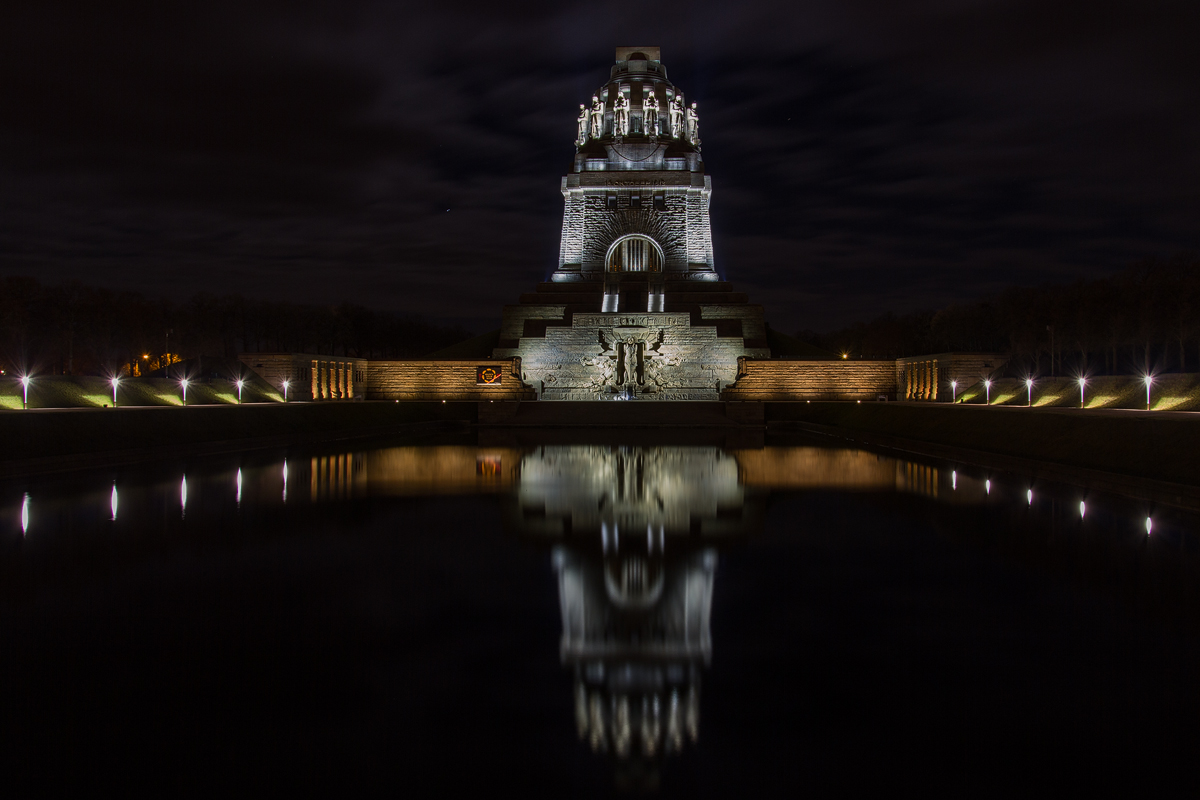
[[635, 532]]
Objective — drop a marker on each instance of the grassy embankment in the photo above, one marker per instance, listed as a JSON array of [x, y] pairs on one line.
[[71, 391], [86, 432], [1168, 392], [1160, 447]]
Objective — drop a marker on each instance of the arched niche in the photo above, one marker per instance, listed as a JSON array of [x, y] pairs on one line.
[[634, 253]]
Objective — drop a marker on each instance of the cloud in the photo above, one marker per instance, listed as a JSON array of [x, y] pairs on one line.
[[865, 155]]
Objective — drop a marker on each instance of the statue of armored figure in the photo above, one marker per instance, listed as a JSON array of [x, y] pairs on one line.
[[693, 126], [621, 115], [650, 114], [581, 135], [597, 117], [676, 117]]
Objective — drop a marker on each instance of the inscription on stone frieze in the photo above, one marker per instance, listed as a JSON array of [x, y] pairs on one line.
[[626, 320]]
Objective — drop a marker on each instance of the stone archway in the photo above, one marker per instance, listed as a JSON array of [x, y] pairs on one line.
[[634, 252]]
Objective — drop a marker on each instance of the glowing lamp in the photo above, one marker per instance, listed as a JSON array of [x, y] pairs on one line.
[[953, 390], [987, 389], [285, 390], [25, 381], [1149, 380], [1029, 386], [184, 384], [1082, 384], [240, 384], [1149, 525], [115, 380]]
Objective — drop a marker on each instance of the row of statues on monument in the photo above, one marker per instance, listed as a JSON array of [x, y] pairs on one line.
[[683, 121]]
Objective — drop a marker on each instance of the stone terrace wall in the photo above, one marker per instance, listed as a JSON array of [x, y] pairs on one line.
[[785, 379], [310, 377], [444, 380], [928, 377], [274, 368]]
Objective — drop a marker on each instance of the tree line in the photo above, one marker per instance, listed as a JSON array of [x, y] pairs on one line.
[[1144, 319], [76, 329]]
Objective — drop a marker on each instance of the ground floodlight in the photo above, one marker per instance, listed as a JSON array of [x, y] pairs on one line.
[[1149, 525], [953, 391], [1029, 386], [115, 381], [285, 390], [184, 384], [25, 381], [240, 384], [1149, 380], [1082, 383], [987, 389]]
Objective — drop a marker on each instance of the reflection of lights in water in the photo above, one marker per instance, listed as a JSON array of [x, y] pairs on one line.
[[987, 486], [113, 503], [183, 496], [285, 480], [1082, 509], [239, 486], [1148, 526], [25, 515], [1029, 496], [954, 480]]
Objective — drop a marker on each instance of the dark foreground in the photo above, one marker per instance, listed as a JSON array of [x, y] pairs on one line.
[[393, 618]]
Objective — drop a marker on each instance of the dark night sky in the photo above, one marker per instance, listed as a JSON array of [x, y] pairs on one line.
[[865, 156]]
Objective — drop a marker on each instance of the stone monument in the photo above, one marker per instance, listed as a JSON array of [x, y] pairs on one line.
[[636, 308]]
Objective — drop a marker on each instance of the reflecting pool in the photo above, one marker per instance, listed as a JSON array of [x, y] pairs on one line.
[[580, 620]]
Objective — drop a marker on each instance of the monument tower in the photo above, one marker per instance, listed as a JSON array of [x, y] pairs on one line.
[[636, 308]]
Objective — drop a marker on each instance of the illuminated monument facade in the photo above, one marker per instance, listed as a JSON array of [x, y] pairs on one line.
[[636, 308]]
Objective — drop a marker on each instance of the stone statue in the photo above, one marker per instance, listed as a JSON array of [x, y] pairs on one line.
[[650, 114], [676, 117], [597, 117], [603, 366], [621, 115], [659, 371], [693, 125], [581, 136]]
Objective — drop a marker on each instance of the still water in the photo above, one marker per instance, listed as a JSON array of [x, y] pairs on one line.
[[580, 620]]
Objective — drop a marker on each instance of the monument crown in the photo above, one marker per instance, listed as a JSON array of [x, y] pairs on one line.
[[639, 104], [636, 195]]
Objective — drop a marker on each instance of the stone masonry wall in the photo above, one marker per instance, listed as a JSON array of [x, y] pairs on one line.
[[571, 247], [443, 380], [512, 324], [309, 376], [784, 379], [600, 227], [928, 377]]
